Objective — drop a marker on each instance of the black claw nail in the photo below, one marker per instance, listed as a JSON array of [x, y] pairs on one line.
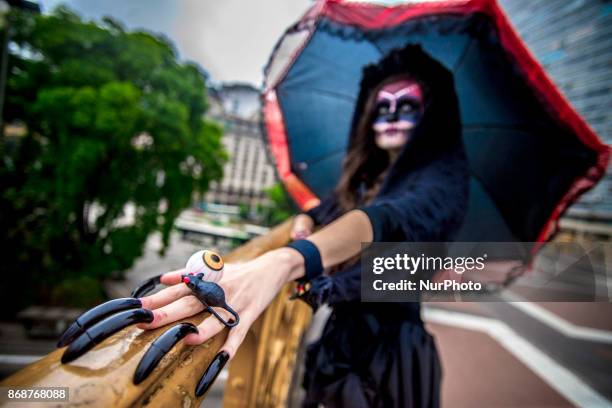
[[107, 327], [70, 334], [159, 348], [146, 286], [211, 373], [92, 316]]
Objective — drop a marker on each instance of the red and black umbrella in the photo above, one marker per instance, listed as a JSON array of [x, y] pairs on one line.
[[530, 154]]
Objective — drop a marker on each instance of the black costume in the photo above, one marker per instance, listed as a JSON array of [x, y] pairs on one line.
[[379, 354]]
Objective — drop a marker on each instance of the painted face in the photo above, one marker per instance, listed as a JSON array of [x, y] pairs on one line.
[[399, 107]]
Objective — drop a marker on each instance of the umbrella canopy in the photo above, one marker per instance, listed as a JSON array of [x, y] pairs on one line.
[[530, 153]]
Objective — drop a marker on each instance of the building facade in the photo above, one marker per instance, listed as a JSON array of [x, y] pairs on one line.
[[572, 39], [248, 172]]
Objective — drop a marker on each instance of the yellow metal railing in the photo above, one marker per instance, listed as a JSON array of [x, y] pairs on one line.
[[259, 375]]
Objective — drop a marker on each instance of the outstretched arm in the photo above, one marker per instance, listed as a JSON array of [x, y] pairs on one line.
[[341, 240], [251, 286], [428, 211]]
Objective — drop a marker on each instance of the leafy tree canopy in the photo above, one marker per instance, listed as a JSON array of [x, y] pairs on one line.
[[112, 121]]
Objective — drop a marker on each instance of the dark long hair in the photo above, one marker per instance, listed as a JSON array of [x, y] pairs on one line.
[[366, 165]]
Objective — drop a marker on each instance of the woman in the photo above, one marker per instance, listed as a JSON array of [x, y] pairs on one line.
[[404, 178]]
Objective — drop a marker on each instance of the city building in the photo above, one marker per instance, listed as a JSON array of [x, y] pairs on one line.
[[571, 39], [248, 172]]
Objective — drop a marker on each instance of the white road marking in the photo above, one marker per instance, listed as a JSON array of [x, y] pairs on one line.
[[558, 323], [555, 375], [16, 359]]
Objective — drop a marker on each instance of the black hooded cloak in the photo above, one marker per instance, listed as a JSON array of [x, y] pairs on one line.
[[379, 354]]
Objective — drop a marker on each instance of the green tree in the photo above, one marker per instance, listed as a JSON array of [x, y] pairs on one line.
[[112, 121], [280, 207]]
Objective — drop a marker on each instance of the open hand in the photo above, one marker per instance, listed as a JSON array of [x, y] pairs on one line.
[[249, 288]]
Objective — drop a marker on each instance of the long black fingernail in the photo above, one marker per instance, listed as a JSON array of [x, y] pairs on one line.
[[211, 373], [104, 329], [159, 348], [94, 315], [145, 287]]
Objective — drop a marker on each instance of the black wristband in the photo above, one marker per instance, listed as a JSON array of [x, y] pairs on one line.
[[313, 266]]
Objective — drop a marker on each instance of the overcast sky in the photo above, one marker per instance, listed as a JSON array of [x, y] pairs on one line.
[[231, 39]]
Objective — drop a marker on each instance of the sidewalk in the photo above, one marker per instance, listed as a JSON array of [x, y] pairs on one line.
[[505, 354]]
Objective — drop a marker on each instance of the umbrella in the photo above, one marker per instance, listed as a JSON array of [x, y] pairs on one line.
[[530, 154]]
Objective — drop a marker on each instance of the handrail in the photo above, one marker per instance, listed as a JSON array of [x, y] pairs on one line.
[[260, 373]]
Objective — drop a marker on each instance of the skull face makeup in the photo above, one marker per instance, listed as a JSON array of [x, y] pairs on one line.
[[399, 107]]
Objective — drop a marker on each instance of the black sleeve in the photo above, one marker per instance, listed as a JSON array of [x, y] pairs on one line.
[[431, 209], [327, 210], [383, 225]]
